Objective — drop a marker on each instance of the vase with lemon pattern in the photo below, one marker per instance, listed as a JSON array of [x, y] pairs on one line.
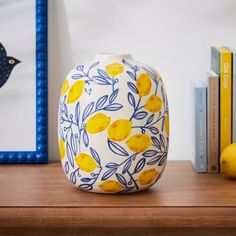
[[113, 125]]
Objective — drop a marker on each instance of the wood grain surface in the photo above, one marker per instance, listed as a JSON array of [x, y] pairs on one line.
[[36, 197]]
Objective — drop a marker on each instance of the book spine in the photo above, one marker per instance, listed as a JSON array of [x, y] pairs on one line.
[[234, 97], [215, 60], [225, 98], [213, 123], [200, 159]]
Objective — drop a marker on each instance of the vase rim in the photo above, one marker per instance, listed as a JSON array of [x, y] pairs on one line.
[[111, 56]]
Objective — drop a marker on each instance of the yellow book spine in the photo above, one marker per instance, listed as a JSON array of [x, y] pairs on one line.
[[225, 98]]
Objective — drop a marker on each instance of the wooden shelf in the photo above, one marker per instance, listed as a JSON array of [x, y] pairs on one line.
[[35, 198]]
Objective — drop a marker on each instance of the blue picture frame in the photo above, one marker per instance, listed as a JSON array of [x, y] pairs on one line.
[[40, 155]]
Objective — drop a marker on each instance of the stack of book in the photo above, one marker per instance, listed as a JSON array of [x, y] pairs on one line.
[[215, 111]]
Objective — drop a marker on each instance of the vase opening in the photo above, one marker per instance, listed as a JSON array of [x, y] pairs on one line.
[[111, 56]]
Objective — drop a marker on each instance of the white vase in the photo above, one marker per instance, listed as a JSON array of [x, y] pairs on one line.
[[113, 125]]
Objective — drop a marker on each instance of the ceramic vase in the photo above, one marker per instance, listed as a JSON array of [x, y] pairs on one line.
[[113, 125]]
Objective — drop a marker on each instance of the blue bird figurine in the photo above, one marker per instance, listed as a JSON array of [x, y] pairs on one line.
[[6, 65]]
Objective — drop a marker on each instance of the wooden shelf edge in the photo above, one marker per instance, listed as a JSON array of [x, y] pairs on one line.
[[200, 217]]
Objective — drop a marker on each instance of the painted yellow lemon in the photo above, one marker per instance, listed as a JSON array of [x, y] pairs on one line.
[[153, 104], [143, 84], [97, 123], [111, 186], [75, 91], [119, 130], [167, 124], [228, 160], [139, 142], [65, 87], [147, 176], [62, 150], [114, 69], [85, 162]]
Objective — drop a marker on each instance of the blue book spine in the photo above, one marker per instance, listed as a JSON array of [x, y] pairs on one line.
[[200, 157], [234, 97]]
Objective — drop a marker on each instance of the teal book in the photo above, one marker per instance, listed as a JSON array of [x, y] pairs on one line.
[[200, 161]]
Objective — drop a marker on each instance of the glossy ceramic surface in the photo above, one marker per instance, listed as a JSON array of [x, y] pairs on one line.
[[113, 125]]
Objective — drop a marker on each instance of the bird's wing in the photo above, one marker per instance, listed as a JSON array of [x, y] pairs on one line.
[[3, 52]]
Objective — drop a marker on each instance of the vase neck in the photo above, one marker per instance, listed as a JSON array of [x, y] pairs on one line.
[[112, 56]]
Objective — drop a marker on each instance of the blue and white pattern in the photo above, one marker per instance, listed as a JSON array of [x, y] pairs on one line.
[[96, 155]]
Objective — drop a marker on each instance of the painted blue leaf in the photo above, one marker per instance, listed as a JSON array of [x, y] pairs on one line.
[[136, 68], [95, 155], [101, 101], [61, 120], [113, 107], [86, 186], [73, 144], [65, 109], [162, 160], [156, 142], [131, 75], [154, 160], [163, 95], [66, 167], [73, 178], [77, 76], [101, 81], [88, 110], [150, 153], [113, 96], [167, 143], [163, 124], [127, 166], [162, 140], [140, 115], [85, 180], [131, 99], [150, 119], [103, 73], [85, 138], [88, 89], [133, 87], [126, 190], [93, 65], [152, 74], [69, 154], [77, 113], [121, 179], [80, 67], [127, 64], [117, 149], [108, 174], [111, 165], [154, 130], [64, 99], [140, 165]]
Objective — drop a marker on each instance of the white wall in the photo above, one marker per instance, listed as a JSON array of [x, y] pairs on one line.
[[173, 36]]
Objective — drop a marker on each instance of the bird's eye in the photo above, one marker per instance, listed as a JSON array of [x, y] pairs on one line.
[[11, 61]]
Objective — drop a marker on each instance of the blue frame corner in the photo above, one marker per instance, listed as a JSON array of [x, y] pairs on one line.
[[40, 155]]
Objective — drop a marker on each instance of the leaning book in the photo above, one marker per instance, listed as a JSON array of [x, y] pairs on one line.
[[200, 117], [233, 95], [221, 64], [213, 121]]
